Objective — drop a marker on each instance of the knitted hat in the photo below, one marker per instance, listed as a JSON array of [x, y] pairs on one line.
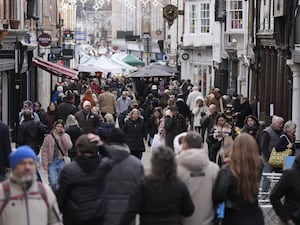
[[21, 153], [86, 103]]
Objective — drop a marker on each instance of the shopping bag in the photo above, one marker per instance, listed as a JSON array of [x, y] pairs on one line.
[[158, 140]]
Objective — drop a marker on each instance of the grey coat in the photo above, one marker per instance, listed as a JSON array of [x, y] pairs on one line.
[[121, 181]]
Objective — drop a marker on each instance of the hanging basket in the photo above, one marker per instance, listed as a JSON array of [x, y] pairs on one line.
[[14, 24]]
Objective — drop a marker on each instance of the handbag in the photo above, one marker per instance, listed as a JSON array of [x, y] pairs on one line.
[[277, 158], [66, 159]]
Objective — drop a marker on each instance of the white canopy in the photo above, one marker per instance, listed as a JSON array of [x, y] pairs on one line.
[[101, 64]]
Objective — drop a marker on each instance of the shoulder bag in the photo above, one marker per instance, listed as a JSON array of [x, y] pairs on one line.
[[66, 159], [277, 158]]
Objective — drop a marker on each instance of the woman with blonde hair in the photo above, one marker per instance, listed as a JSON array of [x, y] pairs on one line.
[[238, 183], [103, 131], [135, 130], [74, 131]]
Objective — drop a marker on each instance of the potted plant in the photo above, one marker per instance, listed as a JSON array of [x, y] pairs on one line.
[[14, 24]]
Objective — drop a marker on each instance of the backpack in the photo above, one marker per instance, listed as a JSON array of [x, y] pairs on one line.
[[7, 195]]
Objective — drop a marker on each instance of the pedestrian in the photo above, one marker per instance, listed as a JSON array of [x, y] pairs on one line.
[[199, 111], [31, 132], [25, 201], [5, 149], [107, 102], [123, 178], [67, 107], [56, 145], [175, 124], [74, 131], [288, 187], [88, 97], [103, 131], [123, 103], [269, 139], [153, 123], [28, 105], [161, 197], [87, 120], [208, 121], [244, 111], [199, 174], [252, 127], [216, 138], [135, 130], [81, 188], [50, 116], [238, 182]]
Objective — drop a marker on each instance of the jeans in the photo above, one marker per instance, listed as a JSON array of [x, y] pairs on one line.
[[54, 171], [266, 181]]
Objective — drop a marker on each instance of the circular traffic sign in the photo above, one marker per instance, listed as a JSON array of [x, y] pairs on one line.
[[44, 39]]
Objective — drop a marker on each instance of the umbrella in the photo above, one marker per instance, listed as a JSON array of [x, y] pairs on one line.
[[150, 72], [101, 64], [164, 68]]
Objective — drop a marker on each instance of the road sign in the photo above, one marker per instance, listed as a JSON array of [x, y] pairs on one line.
[[80, 36]]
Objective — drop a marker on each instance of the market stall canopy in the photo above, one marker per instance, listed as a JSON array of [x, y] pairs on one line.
[[161, 67], [150, 72], [101, 64], [132, 60], [116, 59]]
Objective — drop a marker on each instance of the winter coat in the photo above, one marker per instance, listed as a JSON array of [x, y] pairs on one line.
[[81, 189], [159, 204], [65, 109], [173, 127], [199, 113], [199, 174], [135, 132], [107, 102], [237, 211], [29, 205], [31, 133], [103, 131], [245, 111], [153, 125], [74, 132], [88, 122], [282, 143], [289, 188], [47, 148], [121, 181], [5, 147]]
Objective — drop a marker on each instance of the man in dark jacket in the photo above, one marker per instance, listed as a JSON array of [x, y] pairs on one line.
[[174, 125], [31, 132], [5, 149], [67, 107], [81, 184], [88, 121], [244, 111], [121, 181]]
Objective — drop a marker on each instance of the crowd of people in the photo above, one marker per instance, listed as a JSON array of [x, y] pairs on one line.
[[207, 151]]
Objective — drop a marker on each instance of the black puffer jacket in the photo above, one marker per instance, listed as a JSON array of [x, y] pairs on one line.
[[135, 132], [81, 190], [31, 133], [121, 181]]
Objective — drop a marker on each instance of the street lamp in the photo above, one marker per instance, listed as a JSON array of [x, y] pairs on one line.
[[147, 46]]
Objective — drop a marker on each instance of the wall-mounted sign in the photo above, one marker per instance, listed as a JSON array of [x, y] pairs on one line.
[[44, 40], [80, 36]]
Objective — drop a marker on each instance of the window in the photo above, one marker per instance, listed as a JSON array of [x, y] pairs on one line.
[[192, 18], [198, 19], [236, 14], [204, 18]]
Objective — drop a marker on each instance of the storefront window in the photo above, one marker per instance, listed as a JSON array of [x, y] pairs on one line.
[[203, 77]]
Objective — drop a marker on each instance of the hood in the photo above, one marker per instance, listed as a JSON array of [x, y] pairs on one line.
[[118, 152], [88, 163], [193, 159], [199, 97]]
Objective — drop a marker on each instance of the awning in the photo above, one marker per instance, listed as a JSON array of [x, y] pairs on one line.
[[55, 68]]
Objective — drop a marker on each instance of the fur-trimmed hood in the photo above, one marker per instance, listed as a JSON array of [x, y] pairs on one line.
[[193, 159]]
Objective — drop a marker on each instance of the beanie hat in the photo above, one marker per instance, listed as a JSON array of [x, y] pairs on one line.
[[86, 103], [19, 154]]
